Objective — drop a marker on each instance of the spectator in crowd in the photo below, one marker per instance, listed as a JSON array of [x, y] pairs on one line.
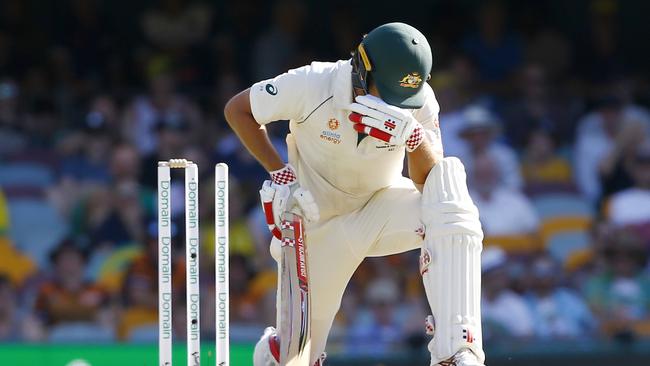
[[557, 312], [140, 284], [496, 50], [536, 105], [245, 298], [604, 137], [173, 135], [139, 307], [480, 130], [456, 88], [114, 216], [542, 167], [145, 265], [124, 164], [87, 152], [177, 24], [66, 297], [503, 211], [632, 206], [274, 50], [163, 106], [12, 137], [549, 48], [601, 55], [619, 293], [16, 324], [504, 312], [41, 121]]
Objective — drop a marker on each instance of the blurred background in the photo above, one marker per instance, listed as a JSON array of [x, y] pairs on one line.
[[544, 101]]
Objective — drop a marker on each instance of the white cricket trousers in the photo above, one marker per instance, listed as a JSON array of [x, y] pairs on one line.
[[389, 223]]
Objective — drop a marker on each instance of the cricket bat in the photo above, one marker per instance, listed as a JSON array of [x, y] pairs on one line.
[[295, 316]]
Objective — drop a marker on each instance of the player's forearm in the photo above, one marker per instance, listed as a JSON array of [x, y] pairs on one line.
[[421, 161], [254, 137]]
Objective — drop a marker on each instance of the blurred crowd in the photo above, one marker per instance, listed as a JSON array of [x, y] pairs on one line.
[[552, 126]]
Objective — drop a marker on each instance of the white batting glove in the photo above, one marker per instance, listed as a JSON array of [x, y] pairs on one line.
[[385, 122], [281, 193]]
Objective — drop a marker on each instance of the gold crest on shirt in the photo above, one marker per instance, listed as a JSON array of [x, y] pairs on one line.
[[412, 80], [333, 124]]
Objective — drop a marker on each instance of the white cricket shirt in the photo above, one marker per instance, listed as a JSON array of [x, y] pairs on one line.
[[341, 170]]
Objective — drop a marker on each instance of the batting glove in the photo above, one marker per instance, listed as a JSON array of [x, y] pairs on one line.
[[385, 122], [281, 194]]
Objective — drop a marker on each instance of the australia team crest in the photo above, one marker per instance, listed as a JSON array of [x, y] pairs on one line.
[[412, 80]]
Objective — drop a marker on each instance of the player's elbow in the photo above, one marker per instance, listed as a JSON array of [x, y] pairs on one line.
[[230, 110], [237, 106]]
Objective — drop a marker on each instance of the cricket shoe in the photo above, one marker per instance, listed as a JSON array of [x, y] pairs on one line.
[[464, 357], [267, 350]]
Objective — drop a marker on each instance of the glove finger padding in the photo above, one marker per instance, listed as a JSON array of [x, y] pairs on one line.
[[375, 103], [307, 204], [281, 200], [367, 111], [267, 192]]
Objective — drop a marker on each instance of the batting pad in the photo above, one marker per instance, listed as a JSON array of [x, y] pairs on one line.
[[450, 263]]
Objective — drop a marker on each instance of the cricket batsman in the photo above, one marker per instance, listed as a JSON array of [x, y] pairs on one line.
[[352, 123]]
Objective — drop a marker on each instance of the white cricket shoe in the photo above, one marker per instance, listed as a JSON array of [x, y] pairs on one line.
[[464, 357], [267, 350]]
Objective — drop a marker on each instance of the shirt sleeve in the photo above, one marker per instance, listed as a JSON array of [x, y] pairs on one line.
[[280, 98]]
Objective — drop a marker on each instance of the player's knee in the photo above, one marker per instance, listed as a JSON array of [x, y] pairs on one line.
[[447, 207]]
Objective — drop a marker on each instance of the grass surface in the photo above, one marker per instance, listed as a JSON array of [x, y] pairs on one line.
[[110, 355]]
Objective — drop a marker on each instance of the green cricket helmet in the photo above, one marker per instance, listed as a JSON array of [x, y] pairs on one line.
[[398, 59]]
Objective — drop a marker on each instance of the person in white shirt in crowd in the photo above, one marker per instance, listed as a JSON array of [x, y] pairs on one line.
[[480, 131], [632, 206], [557, 311], [505, 313], [602, 137], [456, 89], [502, 210]]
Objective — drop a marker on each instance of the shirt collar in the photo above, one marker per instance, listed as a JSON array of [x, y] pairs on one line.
[[342, 89]]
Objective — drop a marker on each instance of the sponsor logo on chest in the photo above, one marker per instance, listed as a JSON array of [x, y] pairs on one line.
[[330, 135]]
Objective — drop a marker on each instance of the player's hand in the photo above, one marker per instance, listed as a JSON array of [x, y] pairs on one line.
[[388, 123], [282, 193], [385, 122]]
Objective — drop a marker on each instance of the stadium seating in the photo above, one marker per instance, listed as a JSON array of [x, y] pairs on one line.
[[561, 246], [561, 204], [29, 214], [514, 244], [26, 174]]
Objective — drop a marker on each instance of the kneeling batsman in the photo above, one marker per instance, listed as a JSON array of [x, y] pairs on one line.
[[450, 257]]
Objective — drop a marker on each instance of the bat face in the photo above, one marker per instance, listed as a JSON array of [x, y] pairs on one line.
[[295, 300]]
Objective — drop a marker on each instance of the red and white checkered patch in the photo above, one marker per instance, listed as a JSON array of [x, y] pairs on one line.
[[289, 242], [284, 176], [286, 225], [415, 139]]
